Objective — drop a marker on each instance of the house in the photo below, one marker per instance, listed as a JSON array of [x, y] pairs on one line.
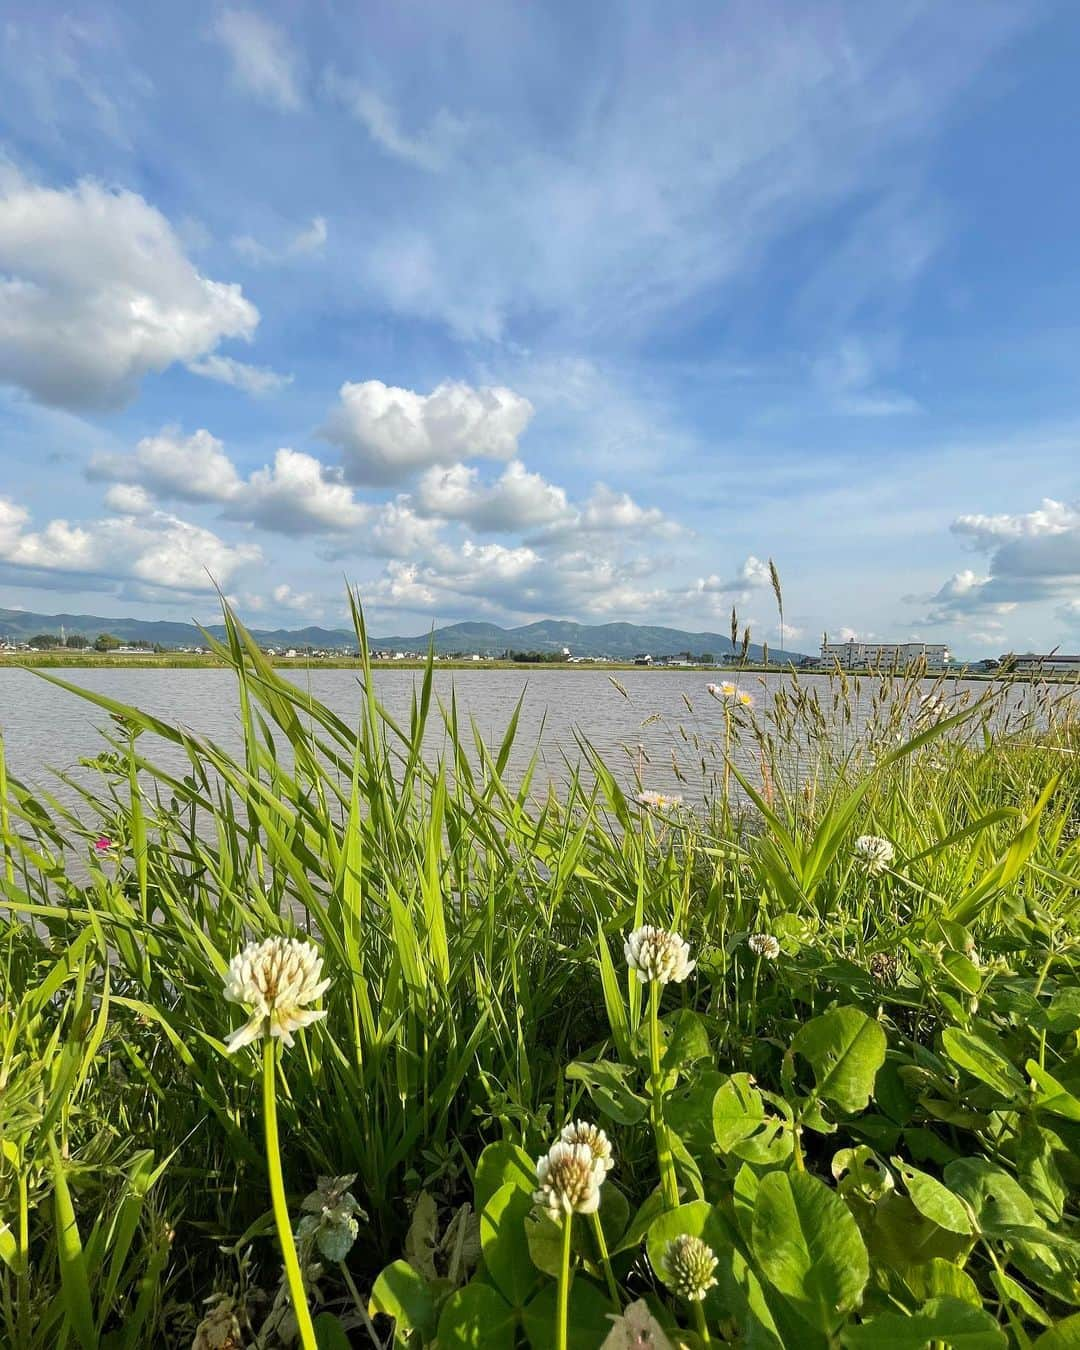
[[643, 659]]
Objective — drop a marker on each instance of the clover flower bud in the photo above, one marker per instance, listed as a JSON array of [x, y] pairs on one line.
[[688, 1267]]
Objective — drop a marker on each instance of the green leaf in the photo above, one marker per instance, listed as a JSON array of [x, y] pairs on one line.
[[477, 1318], [587, 1323], [1051, 1095], [737, 1111], [329, 1333], [995, 1196], [609, 1090], [983, 1062], [687, 1041], [846, 1049], [500, 1163], [74, 1281], [933, 1200], [809, 1247], [401, 1293], [1063, 1335], [937, 1277], [505, 1245], [948, 1320]]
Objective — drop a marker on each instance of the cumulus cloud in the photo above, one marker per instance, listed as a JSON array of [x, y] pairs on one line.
[[96, 292], [296, 494], [155, 549], [173, 467], [386, 434], [1032, 556], [517, 500], [263, 62]]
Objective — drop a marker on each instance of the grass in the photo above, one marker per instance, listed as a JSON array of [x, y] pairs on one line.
[[471, 928]]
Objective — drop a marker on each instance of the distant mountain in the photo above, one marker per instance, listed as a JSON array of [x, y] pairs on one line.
[[623, 641]]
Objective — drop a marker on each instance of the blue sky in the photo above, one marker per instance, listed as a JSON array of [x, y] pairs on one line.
[[515, 311]]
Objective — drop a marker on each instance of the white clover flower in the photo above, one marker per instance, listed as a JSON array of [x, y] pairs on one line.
[[276, 979], [569, 1178], [764, 944], [873, 853], [584, 1132], [688, 1266], [658, 955], [658, 801]]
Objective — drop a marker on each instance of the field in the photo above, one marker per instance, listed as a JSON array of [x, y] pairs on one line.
[[837, 1065]]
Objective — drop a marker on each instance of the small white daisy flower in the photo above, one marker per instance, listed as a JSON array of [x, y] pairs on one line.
[[658, 955], [688, 1266], [873, 853], [658, 801], [569, 1178], [764, 944], [276, 979], [584, 1132]]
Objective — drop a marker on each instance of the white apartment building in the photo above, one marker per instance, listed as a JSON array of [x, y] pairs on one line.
[[1058, 662], [853, 655]]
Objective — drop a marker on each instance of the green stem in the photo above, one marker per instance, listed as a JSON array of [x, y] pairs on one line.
[[5, 820], [605, 1260], [668, 1184], [351, 1284], [563, 1306], [23, 1276], [753, 998], [700, 1324], [281, 1210]]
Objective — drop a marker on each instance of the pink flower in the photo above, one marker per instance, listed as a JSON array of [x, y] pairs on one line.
[[102, 844]]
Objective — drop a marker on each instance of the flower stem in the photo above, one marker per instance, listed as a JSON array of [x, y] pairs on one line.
[[605, 1260], [668, 1184], [563, 1306], [281, 1210], [700, 1323]]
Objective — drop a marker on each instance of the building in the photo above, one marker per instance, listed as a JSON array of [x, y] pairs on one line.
[[1058, 662], [853, 655]]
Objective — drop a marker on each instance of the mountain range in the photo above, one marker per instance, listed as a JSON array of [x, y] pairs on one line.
[[623, 641]]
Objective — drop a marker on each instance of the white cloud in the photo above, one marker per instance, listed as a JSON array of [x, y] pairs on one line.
[[1033, 557], [398, 532], [433, 148], [609, 510], [263, 61], [255, 380], [174, 467], [129, 499], [157, 549], [297, 495], [849, 377], [516, 500], [285, 597], [304, 244], [96, 292], [386, 434], [294, 495]]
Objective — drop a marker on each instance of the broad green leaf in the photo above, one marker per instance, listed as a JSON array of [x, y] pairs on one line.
[[846, 1049], [1063, 1335], [403, 1294], [505, 1245], [477, 1318], [500, 1163], [947, 1320], [1051, 1095], [609, 1090], [937, 1278], [808, 1245], [329, 1333], [933, 1200], [737, 1111], [994, 1195], [587, 1323], [983, 1061]]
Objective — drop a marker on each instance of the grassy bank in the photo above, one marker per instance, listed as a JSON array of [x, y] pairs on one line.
[[848, 1113]]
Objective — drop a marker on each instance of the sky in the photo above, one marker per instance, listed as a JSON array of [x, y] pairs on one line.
[[506, 312]]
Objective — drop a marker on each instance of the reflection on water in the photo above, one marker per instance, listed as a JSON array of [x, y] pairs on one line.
[[663, 726]]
